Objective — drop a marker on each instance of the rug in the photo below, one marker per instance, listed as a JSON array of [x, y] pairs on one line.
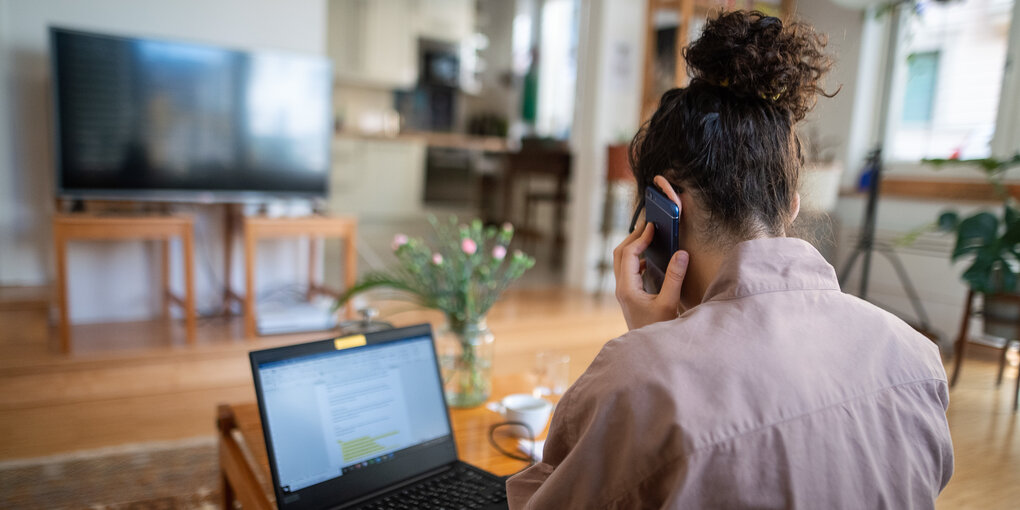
[[165, 475]]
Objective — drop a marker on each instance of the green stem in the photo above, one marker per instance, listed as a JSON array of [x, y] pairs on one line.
[[471, 383]]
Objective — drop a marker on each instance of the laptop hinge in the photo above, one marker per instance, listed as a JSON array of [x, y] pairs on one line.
[[400, 485]]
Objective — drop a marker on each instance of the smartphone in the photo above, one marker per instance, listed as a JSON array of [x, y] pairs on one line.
[[664, 214]]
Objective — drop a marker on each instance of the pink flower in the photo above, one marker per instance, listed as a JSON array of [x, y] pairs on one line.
[[508, 227], [398, 241], [437, 258], [469, 246], [499, 252]]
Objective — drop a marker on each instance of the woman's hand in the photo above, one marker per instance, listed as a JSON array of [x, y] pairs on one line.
[[639, 307]]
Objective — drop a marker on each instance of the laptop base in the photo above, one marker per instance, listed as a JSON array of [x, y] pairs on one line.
[[461, 486]]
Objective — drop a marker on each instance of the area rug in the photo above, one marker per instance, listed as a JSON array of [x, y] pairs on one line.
[[165, 475]]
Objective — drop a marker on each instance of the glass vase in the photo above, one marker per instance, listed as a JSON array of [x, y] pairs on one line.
[[465, 357]]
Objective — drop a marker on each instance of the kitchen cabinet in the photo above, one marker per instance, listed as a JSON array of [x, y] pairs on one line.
[[377, 179], [374, 42], [446, 20]]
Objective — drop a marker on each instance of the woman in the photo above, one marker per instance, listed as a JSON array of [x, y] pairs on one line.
[[749, 380]]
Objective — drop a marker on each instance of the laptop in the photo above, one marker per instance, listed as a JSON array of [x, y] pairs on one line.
[[361, 422]]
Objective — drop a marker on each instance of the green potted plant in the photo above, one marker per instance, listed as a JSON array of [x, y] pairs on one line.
[[993, 240], [462, 274]]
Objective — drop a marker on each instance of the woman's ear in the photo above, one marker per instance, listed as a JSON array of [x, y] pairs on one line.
[[667, 189], [795, 209]]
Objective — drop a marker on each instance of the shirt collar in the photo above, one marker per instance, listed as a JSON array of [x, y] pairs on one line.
[[771, 264]]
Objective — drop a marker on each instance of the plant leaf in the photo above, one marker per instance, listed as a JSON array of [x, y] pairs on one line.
[[948, 221], [1011, 214], [978, 275], [376, 280], [1012, 235], [976, 234], [1009, 278]]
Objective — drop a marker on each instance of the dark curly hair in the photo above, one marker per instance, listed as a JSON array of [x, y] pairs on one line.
[[728, 136]]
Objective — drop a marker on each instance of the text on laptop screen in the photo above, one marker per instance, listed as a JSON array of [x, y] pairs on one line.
[[330, 413]]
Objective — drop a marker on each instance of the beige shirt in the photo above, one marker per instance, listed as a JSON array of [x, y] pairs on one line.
[[778, 391]]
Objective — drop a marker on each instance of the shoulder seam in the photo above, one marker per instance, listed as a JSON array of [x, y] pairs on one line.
[[762, 293]]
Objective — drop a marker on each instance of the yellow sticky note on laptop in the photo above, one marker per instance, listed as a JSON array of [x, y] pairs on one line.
[[349, 341]]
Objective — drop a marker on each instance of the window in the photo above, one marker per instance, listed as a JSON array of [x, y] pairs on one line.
[[948, 80], [922, 69], [557, 73]]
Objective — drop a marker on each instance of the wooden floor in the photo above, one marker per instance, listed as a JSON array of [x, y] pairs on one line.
[[139, 382], [135, 382], [986, 436]]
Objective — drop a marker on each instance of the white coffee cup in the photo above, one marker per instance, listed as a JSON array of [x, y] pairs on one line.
[[527, 409]]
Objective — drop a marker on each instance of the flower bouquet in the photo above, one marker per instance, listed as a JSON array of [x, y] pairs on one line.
[[462, 275]]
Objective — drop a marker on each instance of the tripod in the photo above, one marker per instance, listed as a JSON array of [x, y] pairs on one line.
[[873, 167], [866, 245]]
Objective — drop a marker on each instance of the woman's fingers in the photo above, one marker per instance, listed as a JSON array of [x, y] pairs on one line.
[[633, 250], [619, 248], [629, 274], [673, 281]]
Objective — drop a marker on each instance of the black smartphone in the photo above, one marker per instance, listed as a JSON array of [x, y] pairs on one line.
[[664, 214]]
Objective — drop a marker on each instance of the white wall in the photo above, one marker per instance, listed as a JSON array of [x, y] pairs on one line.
[[832, 117], [7, 240], [609, 77], [116, 281]]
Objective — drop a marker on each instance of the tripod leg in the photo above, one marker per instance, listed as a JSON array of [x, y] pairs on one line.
[[849, 265], [908, 286]]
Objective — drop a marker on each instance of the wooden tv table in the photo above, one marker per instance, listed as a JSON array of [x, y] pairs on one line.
[[244, 467], [314, 228], [162, 228]]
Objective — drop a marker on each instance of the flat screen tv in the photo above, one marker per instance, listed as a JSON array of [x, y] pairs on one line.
[[160, 120]]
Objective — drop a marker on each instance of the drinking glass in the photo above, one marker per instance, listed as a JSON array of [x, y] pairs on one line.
[[552, 374]]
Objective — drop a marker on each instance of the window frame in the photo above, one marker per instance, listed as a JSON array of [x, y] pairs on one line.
[[1006, 138]]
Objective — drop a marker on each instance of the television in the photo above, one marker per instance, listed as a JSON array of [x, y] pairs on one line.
[[150, 119]]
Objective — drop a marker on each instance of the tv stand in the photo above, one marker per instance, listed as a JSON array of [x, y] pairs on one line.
[[314, 228], [70, 227]]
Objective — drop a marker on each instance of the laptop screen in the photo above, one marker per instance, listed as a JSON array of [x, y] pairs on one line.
[[355, 415]]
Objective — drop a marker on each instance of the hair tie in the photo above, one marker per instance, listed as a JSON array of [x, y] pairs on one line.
[[775, 97]]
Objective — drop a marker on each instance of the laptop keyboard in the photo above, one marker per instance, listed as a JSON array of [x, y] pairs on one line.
[[458, 488]]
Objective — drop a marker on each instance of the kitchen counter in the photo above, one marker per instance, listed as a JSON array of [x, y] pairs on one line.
[[436, 139]]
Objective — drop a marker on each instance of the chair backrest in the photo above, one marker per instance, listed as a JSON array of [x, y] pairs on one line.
[[555, 163]]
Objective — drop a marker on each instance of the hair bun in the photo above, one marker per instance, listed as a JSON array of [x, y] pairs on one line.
[[754, 55]]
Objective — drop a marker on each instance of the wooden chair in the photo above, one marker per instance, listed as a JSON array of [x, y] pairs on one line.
[[962, 340], [537, 161]]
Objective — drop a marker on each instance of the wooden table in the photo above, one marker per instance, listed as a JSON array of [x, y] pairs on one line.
[[69, 227], [244, 466]]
